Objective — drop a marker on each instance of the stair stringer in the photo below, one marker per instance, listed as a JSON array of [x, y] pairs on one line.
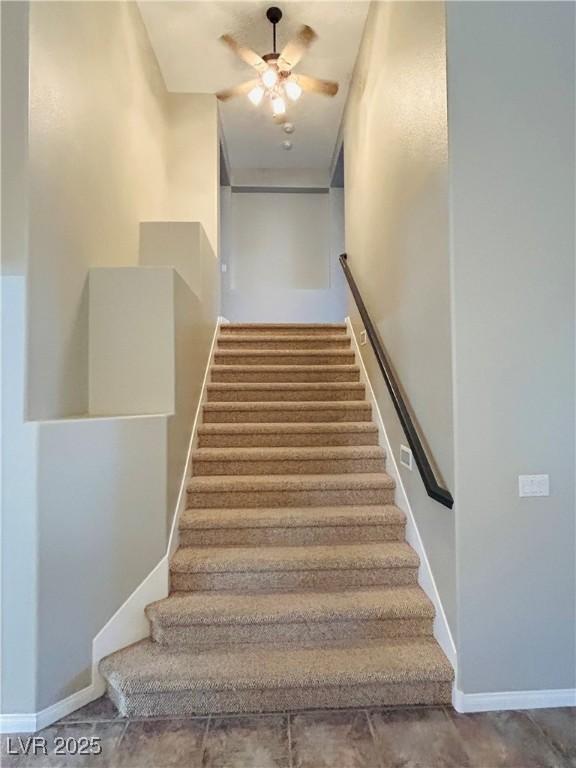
[[426, 580], [129, 624]]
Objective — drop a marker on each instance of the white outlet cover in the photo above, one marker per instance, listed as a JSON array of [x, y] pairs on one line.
[[224, 267], [533, 485], [362, 338], [406, 457]]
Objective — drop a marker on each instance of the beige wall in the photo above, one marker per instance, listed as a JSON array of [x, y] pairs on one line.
[[109, 148], [97, 132], [395, 143], [193, 162]]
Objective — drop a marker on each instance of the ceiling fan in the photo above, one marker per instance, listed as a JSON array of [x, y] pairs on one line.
[[276, 80]]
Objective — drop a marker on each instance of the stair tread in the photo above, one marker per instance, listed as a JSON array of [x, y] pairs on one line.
[[264, 336], [290, 517], [350, 480], [395, 554], [182, 609], [147, 667], [281, 326], [298, 386], [265, 353], [288, 426], [289, 453], [290, 405], [285, 368]]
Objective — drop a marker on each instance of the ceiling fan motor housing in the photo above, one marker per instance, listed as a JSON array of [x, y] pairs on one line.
[[273, 14]]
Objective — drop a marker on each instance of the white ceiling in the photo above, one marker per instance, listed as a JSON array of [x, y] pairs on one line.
[[185, 35]]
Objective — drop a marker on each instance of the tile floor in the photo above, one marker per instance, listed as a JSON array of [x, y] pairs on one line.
[[419, 737]]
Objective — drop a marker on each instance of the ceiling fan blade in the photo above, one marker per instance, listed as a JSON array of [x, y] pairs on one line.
[[315, 85], [296, 48], [246, 54], [237, 90]]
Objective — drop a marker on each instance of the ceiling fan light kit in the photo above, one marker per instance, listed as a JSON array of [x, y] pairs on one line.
[[276, 78]]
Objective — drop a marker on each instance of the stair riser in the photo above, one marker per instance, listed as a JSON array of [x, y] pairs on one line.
[[314, 358], [221, 376], [202, 701], [274, 330], [290, 498], [229, 343], [267, 581], [292, 415], [283, 440], [288, 467], [206, 636], [290, 537], [276, 395]]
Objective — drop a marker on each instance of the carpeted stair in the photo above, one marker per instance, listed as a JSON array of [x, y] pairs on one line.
[[293, 586]]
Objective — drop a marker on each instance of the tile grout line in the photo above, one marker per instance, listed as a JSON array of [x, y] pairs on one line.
[[119, 739], [204, 738], [547, 739], [289, 730], [373, 736]]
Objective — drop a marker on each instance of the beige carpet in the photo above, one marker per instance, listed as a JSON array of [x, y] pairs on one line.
[[293, 586]]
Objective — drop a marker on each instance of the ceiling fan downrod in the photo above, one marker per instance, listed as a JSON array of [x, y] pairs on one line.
[[274, 14]]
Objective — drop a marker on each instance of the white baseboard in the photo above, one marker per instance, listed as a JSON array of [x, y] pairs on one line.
[[502, 700], [129, 624], [30, 723], [181, 502], [442, 631]]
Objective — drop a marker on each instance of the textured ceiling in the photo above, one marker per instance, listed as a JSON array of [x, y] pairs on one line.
[[185, 39]]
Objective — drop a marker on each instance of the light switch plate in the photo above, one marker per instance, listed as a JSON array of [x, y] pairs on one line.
[[406, 457], [362, 338], [224, 267], [533, 485]]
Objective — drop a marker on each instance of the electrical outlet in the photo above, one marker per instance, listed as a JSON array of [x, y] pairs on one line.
[[533, 485], [406, 457], [224, 267], [362, 338]]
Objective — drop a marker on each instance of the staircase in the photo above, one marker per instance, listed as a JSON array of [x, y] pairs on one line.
[[293, 587]]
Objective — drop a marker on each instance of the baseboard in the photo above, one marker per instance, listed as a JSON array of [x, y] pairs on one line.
[[442, 631], [181, 501], [502, 700], [129, 624], [30, 723]]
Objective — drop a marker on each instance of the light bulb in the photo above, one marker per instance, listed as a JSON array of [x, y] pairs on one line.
[[256, 95], [293, 90], [278, 106], [270, 77]]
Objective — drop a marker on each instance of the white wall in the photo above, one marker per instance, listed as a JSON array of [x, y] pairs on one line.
[[280, 252], [396, 152], [101, 530], [511, 78], [19, 534]]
